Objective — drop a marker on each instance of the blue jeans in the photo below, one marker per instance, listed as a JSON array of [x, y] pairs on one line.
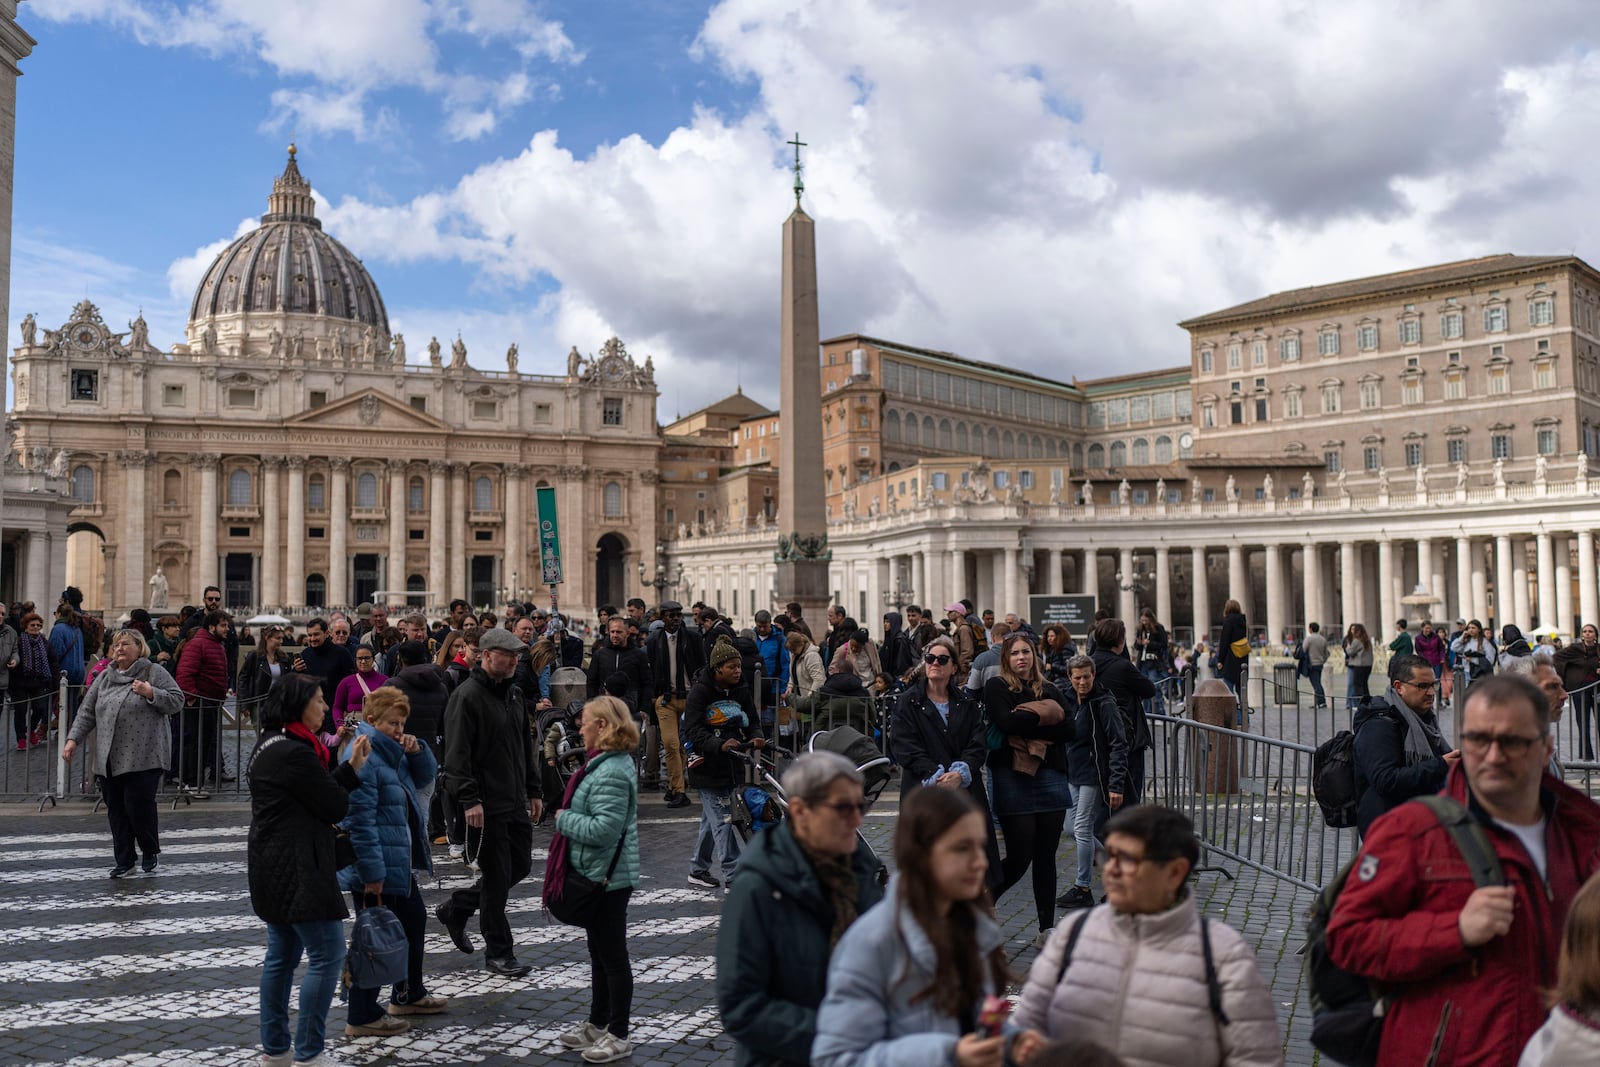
[[323, 943], [1087, 806], [1314, 672], [716, 834]]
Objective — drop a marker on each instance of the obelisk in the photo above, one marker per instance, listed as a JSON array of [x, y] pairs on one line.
[[803, 552]]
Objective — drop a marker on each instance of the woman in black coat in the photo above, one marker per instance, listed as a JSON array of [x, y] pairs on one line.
[[1230, 664], [294, 887], [265, 664], [939, 737]]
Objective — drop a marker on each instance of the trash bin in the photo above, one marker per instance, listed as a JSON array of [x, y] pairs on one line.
[[1286, 683]]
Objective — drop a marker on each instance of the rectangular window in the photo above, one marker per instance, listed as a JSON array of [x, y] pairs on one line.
[[1494, 318], [418, 403], [1139, 409], [1367, 337], [1261, 409], [1258, 354], [1117, 412], [1544, 376], [1547, 440], [925, 383], [1141, 496], [172, 396], [1411, 391], [1002, 479], [241, 398], [541, 413], [941, 480], [891, 375], [1450, 325], [316, 532], [1331, 461], [1236, 413], [1181, 402], [1328, 343], [317, 398], [941, 387], [611, 411], [1330, 400], [1289, 349], [1208, 416], [1542, 313], [958, 392], [1025, 479], [1097, 413], [988, 396], [484, 409], [1455, 450], [1371, 457], [1370, 397], [1411, 331], [1162, 405], [1455, 387], [1235, 356], [416, 535], [85, 385], [1205, 361], [1499, 381], [1500, 446], [1413, 453], [1291, 405]]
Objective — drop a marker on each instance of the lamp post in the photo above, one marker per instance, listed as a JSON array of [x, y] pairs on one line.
[[899, 595], [660, 582]]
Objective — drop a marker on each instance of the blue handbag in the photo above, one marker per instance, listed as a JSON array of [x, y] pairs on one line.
[[378, 948]]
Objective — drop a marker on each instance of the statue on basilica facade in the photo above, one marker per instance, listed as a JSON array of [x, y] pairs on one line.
[[1124, 492], [139, 334], [1499, 472], [58, 464], [275, 344], [299, 343], [30, 330], [1266, 487], [574, 363], [649, 368], [1383, 480], [1422, 479], [1229, 489], [1461, 475], [1161, 490], [458, 354], [1308, 485], [433, 353], [1196, 494], [208, 340], [1583, 466], [1541, 468], [369, 346], [158, 590], [397, 354], [511, 358]]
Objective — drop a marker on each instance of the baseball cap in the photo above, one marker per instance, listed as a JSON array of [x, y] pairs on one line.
[[957, 606]]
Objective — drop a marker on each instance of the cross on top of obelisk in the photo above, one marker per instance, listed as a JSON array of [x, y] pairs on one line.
[[799, 186]]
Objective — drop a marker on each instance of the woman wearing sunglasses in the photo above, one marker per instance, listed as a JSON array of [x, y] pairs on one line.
[[939, 738]]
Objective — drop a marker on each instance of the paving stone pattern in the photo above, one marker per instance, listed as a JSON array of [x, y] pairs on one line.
[[161, 970]]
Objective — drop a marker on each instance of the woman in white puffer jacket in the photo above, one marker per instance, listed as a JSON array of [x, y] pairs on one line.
[[1138, 981], [1571, 1036]]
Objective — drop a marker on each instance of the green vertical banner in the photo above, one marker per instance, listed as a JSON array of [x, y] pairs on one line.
[[549, 536]]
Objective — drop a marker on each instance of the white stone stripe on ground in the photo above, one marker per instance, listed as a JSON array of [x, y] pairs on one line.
[[97, 872], [104, 835], [427, 1045], [103, 852], [181, 925], [212, 1003], [123, 965], [103, 855]]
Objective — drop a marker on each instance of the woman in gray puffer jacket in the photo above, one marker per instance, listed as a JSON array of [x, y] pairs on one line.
[[130, 705]]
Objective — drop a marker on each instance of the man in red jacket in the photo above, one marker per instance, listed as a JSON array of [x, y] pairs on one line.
[[1465, 967], [203, 674]]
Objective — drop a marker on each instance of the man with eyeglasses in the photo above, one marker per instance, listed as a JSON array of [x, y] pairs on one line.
[[1466, 968], [1399, 752]]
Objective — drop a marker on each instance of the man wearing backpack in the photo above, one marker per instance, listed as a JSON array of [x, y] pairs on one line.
[[1399, 752], [1464, 957]]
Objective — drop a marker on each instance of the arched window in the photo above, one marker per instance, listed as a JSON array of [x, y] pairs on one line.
[[1119, 454], [366, 490], [83, 484], [1077, 454], [414, 493], [930, 433], [172, 489], [1097, 457], [316, 494], [239, 495], [316, 591], [1163, 449], [961, 437], [1037, 451], [611, 501], [1050, 447], [482, 494], [416, 585], [912, 437], [947, 435], [1141, 452], [891, 426], [1008, 446], [994, 442]]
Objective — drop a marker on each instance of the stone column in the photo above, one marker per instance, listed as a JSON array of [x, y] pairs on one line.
[[1465, 599], [1588, 600], [205, 569], [1547, 580], [1563, 552], [1054, 584], [35, 566], [1013, 572], [271, 533], [1348, 586], [1432, 553], [517, 526], [1504, 577], [1480, 586], [399, 516], [456, 577], [1201, 594], [1522, 611], [1238, 577], [919, 580], [1127, 604], [1311, 584], [438, 533], [1164, 586], [1090, 579], [294, 571], [1386, 607], [1276, 615], [339, 532], [134, 524], [958, 578]]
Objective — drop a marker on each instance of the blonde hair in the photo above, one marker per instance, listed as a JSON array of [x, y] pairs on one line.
[[618, 731], [1578, 973], [383, 700], [138, 640]]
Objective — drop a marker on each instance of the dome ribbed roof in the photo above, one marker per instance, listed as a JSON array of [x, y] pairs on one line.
[[289, 265]]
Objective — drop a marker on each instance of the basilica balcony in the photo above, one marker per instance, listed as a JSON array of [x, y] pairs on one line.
[[88, 510], [172, 511], [484, 518], [369, 514], [241, 511]]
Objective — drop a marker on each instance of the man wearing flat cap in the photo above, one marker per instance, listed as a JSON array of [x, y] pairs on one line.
[[676, 657]]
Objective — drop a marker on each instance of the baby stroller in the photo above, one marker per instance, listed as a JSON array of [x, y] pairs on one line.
[[762, 803], [560, 746]]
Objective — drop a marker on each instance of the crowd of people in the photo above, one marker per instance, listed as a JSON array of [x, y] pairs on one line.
[[380, 742]]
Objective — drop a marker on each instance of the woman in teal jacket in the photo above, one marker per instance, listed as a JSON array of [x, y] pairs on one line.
[[600, 815], [388, 832]]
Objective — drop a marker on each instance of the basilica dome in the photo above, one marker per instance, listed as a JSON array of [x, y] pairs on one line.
[[289, 266]]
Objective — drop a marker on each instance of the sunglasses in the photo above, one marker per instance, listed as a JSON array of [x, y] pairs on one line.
[[845, 807], [930, 659]]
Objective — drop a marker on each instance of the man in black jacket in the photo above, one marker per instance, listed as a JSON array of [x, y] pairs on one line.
[[717, 719], [1399, 752], [494, 781], [323, 659], [676, 658], [1117, 674], [618, 656]]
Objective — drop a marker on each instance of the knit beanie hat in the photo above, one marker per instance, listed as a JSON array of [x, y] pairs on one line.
[[722, 652]]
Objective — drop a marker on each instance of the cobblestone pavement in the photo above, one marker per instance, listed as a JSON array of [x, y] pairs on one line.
[[161, 970]]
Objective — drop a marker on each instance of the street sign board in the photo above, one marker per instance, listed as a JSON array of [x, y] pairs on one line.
[[1076, 613], [549, 536]]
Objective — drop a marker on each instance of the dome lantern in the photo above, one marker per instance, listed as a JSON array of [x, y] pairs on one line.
[[291, 199]]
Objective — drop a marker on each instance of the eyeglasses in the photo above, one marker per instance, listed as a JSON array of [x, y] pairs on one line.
[[213, 600], [843, 808], [1109, 856], [931, 660], [1513, 745], [1425, 686]]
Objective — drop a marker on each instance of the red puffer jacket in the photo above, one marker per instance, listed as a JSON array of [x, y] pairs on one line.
[[1396, 920], [203, 667]]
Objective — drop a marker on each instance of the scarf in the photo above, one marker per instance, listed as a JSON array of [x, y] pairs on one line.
[[839, 886], [298, 729], [35, 657]]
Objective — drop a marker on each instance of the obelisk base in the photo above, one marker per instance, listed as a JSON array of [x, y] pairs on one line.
[[804, 581]]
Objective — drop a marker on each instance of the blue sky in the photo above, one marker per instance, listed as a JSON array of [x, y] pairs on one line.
[[1042, 183]]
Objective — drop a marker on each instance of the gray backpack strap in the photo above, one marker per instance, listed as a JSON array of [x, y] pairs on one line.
[[1470, 838]]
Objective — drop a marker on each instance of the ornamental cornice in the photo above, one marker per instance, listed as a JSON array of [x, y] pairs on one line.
[[649, 476], [438, 468], [397, 466], [296, 463], [340, 464], [206, 461]]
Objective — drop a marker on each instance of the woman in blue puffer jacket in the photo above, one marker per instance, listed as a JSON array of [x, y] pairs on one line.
[[388, 830]]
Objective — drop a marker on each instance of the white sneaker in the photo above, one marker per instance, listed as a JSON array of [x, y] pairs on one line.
[[457, 851], [581, 1037], [1042, 937], [321, 1059], [608, 1049], [282, 1059]]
